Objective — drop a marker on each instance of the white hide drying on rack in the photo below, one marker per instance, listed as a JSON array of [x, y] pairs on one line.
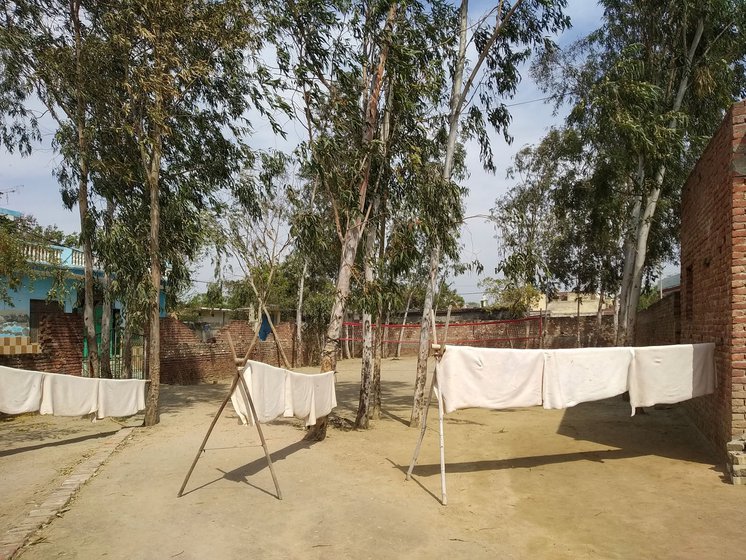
[[494, 378], [280, 392]]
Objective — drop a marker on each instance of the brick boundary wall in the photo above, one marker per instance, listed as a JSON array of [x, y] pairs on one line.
[[61, 342], [186, 359], [557, 332], [660, 323], [713, 266]]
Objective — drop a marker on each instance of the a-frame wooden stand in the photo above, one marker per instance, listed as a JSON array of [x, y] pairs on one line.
[[240, 363]]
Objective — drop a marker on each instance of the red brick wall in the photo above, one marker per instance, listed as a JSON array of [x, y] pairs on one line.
[[713, 266], [557, 332], [186, 359], [61, 340], [660, 323]]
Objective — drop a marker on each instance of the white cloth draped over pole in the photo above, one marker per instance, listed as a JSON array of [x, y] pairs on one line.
[[496, 378], [280, 392], [23, 391]]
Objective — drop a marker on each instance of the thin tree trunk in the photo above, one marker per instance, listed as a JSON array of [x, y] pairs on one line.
[[106, 329], [386, 332], [599, 316], [375, 397], [403, 324], [578, 300], [418, 406], [367, 366], [298, 354], [629, 307], [127, 350], [457, 97], [346, 346], [152, 412], [346, 265], [86, 224], [106, 311]]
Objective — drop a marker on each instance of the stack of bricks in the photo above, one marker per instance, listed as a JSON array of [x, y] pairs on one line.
[[737, 460]]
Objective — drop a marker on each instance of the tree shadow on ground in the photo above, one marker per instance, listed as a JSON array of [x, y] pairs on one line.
[[177, 398], [396, 402], [55, 443]]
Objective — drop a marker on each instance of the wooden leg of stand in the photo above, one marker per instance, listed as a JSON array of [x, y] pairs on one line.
[[261, 437], [444, 500], [207, 435], [422, 431]]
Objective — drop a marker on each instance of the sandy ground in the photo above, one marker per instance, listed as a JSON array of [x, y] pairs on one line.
[[587, 482]]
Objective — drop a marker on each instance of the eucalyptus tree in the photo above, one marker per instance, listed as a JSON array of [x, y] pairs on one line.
[[188, 71], [648, 88], [52, 52], [344, 61], [261, 243], [503, 39]]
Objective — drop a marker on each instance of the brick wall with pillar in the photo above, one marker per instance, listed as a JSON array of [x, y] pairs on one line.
[[713, 275]]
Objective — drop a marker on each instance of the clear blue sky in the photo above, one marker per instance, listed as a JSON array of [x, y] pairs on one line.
[[38, 193]]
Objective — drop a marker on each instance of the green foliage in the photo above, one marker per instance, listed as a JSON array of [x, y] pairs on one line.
[[648, 296], [503, 294]]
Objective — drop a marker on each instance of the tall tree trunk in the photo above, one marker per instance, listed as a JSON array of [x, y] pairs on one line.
[[152, 412], [106, 328], [297, 357], [375, 408], [578, 299], [86, 222], [346, 355], [328, 360], [456, 104], [644, 223], [127, 350], [367, 366], [599, 316], [106, 311], [418, 406]]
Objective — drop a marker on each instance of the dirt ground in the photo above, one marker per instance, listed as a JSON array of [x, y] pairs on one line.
[[587, 482]]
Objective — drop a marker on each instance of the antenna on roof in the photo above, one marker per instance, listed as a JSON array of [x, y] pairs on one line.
[[5, 191]]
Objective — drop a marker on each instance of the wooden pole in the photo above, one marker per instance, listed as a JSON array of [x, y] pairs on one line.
[[422, 431], [239, 364], [277, 338], [444, 498], [261, 437], [207, 435], [448, 320]]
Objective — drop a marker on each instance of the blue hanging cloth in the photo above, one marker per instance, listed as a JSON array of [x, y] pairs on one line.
[[265, 329]]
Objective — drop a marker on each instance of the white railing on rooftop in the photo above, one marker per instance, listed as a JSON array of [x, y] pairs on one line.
[[49, 254], [42, 254]]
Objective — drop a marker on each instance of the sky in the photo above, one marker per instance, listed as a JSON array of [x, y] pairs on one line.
[[27, 184]]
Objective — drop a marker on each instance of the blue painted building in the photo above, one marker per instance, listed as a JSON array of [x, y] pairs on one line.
[[39, 294]]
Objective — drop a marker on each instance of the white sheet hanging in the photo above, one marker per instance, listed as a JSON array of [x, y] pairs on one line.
[[69, 395], [573, 376], [20, 390], [671, 374], [494, 378], [120, 397], [267, 386], [276, 391], [310, 397]]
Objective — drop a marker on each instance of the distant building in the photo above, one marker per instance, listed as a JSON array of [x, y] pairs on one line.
[[566, 304], [38, 295]]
